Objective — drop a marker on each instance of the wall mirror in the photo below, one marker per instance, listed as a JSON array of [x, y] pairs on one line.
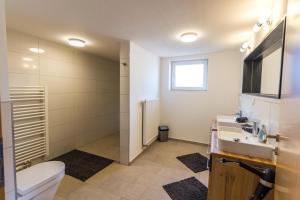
[[262, 70]]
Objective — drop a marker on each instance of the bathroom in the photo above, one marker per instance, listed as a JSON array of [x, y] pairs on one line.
[[149, 100]]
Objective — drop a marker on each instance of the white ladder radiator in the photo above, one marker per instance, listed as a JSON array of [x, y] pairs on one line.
[[30, 122], [150, 121]]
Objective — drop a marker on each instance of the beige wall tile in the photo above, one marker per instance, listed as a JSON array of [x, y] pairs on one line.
[[124, 121], [16, 79], [6, 124], [83, 89], [9, 169], [124, 103], [124, 85], [124, 67], [23, 63]]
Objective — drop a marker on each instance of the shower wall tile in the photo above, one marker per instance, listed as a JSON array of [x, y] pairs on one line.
[[16, 79], [6, 124], [124, 119], [9, 168], [124, 67], [83, 89], [124, 85], [124, 155], [23, 63], [124, 103]]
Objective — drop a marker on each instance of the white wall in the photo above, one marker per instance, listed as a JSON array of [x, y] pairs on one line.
[[144, 84], [263, 110], [83, 89], [6, 123], [189, 114]]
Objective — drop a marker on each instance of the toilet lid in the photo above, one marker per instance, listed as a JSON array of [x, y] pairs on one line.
[[33, 177]]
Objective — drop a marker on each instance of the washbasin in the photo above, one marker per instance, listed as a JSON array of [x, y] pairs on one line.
[[240, 142], [227, 121]]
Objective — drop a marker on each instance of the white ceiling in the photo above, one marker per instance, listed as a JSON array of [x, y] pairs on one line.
[[153, 24]]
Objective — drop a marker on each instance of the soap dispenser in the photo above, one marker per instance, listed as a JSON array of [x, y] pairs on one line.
[[262, 134]]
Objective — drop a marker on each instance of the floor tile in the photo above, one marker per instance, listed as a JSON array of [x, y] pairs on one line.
[[68, 185], [141, 180], [107, 147]]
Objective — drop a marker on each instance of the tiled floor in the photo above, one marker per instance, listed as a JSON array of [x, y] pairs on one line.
[[142, 180], [107, 147]]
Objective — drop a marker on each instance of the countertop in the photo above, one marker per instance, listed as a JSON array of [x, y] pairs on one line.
[[214, 149]]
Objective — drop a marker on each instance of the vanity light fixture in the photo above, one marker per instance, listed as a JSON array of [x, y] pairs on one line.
[[263, 20], [37, 50], [245, 46], [189, 37], [76, 42], [242, 50], [256, 27]]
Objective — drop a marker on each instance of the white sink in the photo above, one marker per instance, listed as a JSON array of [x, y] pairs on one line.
[[235, 140], [227, 120]]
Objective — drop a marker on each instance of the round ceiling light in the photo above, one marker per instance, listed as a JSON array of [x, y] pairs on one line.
[[76, 42], [189, 37]]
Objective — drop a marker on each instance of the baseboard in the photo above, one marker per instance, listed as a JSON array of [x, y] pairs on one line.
[[188, 141], [143, 149]]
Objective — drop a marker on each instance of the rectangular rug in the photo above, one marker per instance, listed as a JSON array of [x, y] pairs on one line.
[[195, 162], [82, 165], [187, 189]]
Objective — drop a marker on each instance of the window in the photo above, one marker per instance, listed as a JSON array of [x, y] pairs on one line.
[[189, 75]]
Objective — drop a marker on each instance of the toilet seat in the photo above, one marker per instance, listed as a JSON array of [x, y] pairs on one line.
[[39, 177]]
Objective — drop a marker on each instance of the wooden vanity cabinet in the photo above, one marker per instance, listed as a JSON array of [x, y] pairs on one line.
[[228, 181]]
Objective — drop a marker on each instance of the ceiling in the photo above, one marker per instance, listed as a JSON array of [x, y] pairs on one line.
[[153, 24]]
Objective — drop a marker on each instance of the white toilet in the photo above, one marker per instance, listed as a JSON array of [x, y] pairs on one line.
[[40, 182]]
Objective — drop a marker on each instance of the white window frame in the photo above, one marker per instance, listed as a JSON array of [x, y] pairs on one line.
[[186, 62]]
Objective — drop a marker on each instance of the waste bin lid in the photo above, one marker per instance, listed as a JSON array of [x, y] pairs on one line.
[[163, 128]]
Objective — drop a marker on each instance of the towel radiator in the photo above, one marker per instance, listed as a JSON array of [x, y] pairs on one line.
[[30, 123], [150, 121]]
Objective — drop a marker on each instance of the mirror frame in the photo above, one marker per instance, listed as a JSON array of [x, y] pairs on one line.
[[253, 62]]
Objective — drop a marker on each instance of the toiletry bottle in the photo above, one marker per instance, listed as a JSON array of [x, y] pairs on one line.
[[262, 134]]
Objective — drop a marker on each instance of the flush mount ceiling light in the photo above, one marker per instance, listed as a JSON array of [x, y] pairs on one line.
[[189, 37], [37, 50], [76, 42]]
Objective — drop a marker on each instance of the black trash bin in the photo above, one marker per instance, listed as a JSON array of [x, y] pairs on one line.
[[163, 133]]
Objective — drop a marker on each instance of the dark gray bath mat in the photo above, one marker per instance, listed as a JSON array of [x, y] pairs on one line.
[[196, 162], [82, 165], [187, 189]]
